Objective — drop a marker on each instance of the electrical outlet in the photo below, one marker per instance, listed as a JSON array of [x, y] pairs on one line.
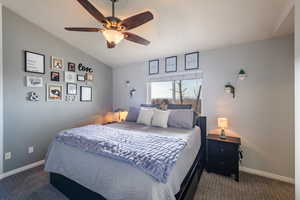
[[7, 155], [30, 149]]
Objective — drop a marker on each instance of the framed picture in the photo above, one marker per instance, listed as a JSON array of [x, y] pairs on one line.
[[80, 78], [153, 67], [71, 88], [191, 61], [71, 67], [171, 64], [85, 93], [89, 76], [70, 77], [33, 81], [57, 63], [55, 92], [54, 76], [34, 62]]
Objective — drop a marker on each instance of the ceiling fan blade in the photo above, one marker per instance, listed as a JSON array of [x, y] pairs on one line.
[[92, 10], [135, 38], [137, 20], [83, 29], [110, 45]]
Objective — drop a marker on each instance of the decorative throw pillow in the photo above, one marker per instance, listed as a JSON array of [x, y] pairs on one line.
[[160, 118], [145, 116], [181, 119], [133, 114]]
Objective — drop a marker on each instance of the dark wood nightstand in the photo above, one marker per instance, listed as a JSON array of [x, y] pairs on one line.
[[223, 155]]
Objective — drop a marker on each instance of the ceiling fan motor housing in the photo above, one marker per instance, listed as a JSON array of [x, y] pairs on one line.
[[114, 23]]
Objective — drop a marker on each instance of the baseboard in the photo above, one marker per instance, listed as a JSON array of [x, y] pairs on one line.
[[268, 175], [21, 169]]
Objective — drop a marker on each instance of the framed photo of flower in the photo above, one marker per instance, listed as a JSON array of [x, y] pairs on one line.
[[70, 77]]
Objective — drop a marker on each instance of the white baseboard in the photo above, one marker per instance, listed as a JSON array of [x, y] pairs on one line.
[[21, 169], [268, 175]]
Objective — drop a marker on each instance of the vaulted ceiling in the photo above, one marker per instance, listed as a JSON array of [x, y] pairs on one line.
[[179, 26]]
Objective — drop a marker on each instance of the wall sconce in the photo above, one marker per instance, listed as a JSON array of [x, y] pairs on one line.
[[242, 75], [229, 89]]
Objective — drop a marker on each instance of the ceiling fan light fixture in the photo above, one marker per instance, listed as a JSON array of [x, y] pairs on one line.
[[113, 36]]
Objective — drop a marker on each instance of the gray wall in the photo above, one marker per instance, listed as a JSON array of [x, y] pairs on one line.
[[297, 98], [27, 123], [261, 113]]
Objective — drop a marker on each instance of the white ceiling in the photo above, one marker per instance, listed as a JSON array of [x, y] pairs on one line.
[[179, 26]]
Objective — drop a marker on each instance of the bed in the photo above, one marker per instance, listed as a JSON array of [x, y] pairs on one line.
[[81, 175]]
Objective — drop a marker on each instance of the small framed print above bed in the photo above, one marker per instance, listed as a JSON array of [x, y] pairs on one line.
[[86, 93], [171, 64], [153, 67], [34, 62], [191, 61]]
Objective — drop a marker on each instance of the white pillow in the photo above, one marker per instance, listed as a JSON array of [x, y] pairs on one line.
[[160, 118], [145, 116]]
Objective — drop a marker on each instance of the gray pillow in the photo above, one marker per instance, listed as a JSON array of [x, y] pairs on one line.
[[133, 114], [181, 119]]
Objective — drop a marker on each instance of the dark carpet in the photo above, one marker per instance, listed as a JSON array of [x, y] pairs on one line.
[[34, 185]]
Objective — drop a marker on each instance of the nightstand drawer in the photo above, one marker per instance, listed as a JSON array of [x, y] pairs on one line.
[[222, 166], [221, 149]]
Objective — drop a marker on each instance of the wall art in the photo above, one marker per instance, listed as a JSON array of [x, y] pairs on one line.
[[171, 64], [55, 92], [34, 62], [71, 67], [70, 77], [153, 67], [33, 81], [80, 78], [85, 93], [33, 96], [89, 76], [71, 88], [81, 67], [57, 63], [55, 76], [191, 61]]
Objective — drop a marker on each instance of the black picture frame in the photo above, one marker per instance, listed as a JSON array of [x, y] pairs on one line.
[[157, 66], [26, 62], [82, 76], [68, 92], [71, 67], [81, 93], [57, 78], [166, 62], [185, 60]]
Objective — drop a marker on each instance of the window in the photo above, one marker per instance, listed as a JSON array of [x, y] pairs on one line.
[[177, 92]]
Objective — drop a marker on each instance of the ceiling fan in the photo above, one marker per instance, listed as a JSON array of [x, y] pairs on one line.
[[114, 29]]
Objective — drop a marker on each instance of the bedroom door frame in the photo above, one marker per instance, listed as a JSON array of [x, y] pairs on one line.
[[1, 94]]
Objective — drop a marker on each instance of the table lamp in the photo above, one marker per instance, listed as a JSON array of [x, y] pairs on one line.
[[222, 123]]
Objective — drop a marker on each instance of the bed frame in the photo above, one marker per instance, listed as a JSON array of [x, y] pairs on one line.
[[75, 191]]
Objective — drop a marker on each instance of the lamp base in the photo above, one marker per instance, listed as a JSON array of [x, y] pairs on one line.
[[222, 135]]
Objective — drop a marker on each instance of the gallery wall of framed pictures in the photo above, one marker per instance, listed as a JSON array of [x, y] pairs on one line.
[[60, 80], [171, 64]]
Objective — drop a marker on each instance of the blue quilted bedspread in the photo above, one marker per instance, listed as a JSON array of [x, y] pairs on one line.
[[154, 154]]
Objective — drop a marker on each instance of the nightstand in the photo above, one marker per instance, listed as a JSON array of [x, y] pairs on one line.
[[223, 155]]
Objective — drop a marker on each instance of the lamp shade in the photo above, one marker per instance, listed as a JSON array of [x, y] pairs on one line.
[[222, 123]]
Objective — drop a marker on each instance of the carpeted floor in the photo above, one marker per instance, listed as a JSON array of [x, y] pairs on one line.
[[34, 185]]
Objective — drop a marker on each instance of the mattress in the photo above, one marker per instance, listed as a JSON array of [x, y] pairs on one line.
[[120, 181]]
